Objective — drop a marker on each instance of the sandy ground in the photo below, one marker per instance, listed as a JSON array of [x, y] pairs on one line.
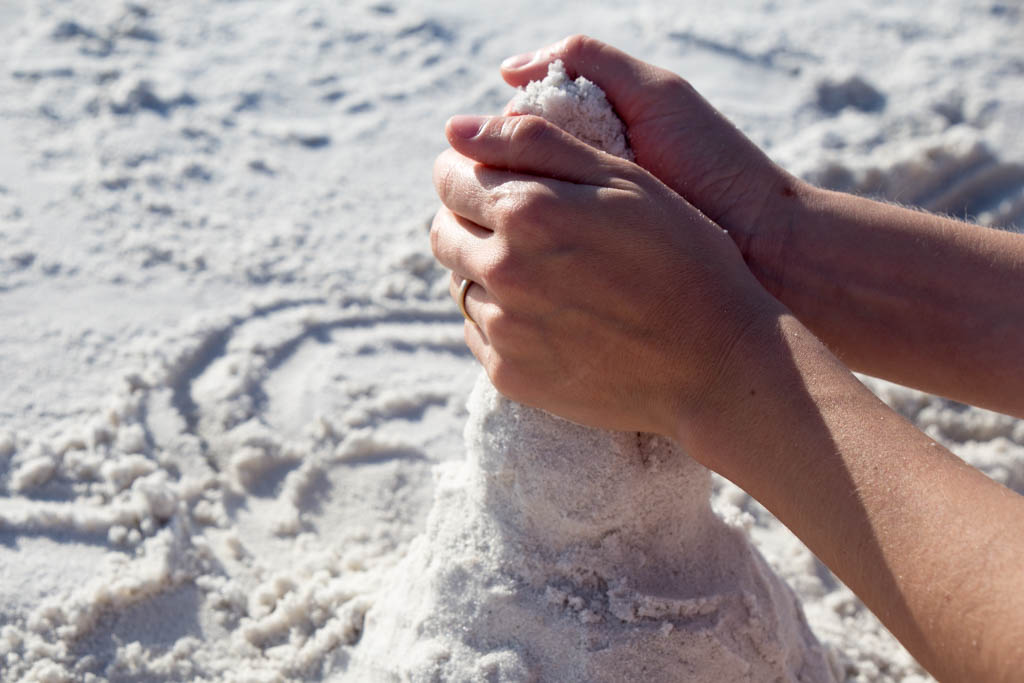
[[228, 363]]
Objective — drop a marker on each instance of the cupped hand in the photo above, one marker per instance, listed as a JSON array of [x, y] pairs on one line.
[[599, 294], [680, 138]]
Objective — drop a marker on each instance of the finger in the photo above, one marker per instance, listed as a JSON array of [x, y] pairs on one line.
[[529, 144], [492, 199], [459, 244], [623, 78], [477, 342]]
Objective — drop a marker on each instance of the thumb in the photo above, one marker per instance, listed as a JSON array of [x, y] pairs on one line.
[[531, 145], [625, 80]]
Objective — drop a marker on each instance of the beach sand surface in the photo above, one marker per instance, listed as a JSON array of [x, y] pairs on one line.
[[229, 366]]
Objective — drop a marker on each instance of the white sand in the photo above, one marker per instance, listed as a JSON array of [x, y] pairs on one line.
[[576, 105], [228, 364], [562, 553]]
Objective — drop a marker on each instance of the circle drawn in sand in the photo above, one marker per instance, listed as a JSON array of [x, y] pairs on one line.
[[273, 414]]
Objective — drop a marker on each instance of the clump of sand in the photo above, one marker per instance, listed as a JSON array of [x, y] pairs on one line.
[[577, 106], [564, 553]]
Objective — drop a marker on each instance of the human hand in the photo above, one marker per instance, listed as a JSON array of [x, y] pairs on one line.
[[680, 138], [600, 294]]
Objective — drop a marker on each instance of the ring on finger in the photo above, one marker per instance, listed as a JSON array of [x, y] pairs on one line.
[[463, 289]]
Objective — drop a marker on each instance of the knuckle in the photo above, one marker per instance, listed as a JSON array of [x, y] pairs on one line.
[[503, 274], [526, 136], [634, 183], [532, 208], [502, 204], [444, 176], [502, 326], [671, 85], [526, 130], [520, 207], [578, 46], [526, 216], [435, 234]]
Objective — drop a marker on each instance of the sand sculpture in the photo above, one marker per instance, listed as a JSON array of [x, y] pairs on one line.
[[557, 552]]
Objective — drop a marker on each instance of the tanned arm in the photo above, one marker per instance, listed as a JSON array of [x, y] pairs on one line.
[[916, 298], [931, 545]]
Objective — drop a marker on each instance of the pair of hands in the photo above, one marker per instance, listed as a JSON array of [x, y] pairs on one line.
[[608, 292], [605, 291]]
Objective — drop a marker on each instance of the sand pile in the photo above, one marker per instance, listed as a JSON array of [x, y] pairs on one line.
[[564, 553]]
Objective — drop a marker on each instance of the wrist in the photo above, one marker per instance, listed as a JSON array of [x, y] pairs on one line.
[[766, 240], [738, 381], [770, 379]]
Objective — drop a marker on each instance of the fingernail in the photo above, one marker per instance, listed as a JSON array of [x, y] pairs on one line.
[[467, 126], [518, 61]]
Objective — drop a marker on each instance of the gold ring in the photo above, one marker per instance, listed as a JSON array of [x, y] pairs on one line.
[[463, 288]]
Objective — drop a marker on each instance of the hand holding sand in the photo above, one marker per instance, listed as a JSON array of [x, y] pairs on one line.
[[852, 270], [898, 518], [601, 294], [676, 135]]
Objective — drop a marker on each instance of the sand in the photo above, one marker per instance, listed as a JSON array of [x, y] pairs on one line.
[[557, 552], [576, 105], [229, 367]]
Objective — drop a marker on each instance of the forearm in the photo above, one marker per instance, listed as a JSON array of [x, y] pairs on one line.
[[915, 298], [932, 546]]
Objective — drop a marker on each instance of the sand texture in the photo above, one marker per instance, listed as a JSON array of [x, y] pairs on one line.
[[577, 106], [562, 553], [232, 380]]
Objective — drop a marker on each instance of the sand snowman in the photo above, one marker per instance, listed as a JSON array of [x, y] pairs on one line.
[[557, 552]]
